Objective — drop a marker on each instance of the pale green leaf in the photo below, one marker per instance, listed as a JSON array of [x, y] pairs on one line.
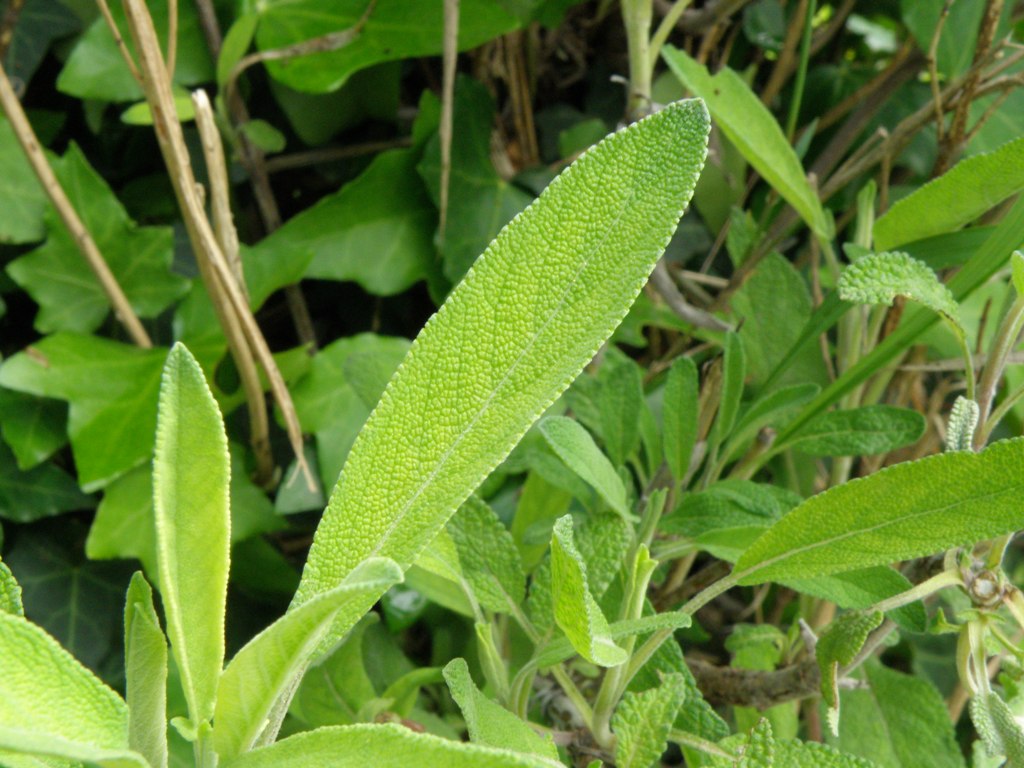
[[759, 750], [269, 663], [140, 113], [1017, 271], [382, 746], [10, 592], [642, 722], [191, 475], [900, 721], [576, 611], [489, 724], [864, 431], [47, 745], [488, 556], [967, 190], [21, 197], [577, 449], [145, 668], [1000, 731], [540, 504], [60, 280], [754, 131], [509, 339], [908, 510], [839, 644], [236, 42], [880, 277], [603, 541], [963, 420], [43, 689], [560, 648], [679, 412]]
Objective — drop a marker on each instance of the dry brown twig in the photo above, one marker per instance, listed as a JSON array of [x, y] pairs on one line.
[[65, 209], [157, 88], [450, 57]]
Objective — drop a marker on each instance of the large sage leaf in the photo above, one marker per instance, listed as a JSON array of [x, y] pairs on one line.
[[46, 690], [382, 746], [908, 510], [191, 473], [509, 339], [269, 663]]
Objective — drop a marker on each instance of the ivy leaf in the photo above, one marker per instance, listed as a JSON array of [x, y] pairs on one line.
[[879, 278], [510, 338], [575, 609], [488, 556], [679, 411], [899, 722], [34, 427], [840, 644], [59, 279], [382, 746], [907, 510], [577, 449], [642, 722], [864, 431], [490, 724], [191, 471], [749, 125], [394, 30], [967, 190], [480, 202], [22, 199], [47, 691], [40, 492], [95, 69], [145, 666], [377, 230]]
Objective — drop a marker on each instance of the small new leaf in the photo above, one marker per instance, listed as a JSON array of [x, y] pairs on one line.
[[963, 420], [840, 644], [642, 722]]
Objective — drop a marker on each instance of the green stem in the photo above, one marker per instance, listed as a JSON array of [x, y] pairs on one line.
[[665, 29], [801, 71], [920, 591], [684, 739], [636, 15], [1006, 338]]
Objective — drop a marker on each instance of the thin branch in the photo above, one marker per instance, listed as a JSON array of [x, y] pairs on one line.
[[696, 21], [663, 284], [157, 87], [665, 28], [785, 64], [172, 36], [333, 154], [79, 232], [450, 59], [108, 17]]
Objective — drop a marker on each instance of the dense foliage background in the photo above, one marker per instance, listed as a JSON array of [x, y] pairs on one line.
[[363, 188]]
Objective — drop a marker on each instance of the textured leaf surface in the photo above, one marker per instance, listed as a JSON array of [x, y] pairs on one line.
[[998, 728], [863, 431], [963, 420], [490, 724], [45, 690], [561, 649], [145, 667], [111, 389], [574, 446], [47, 745], [908, 510], [970, 188], [21, 197], [10, 592], [879, 278], [382, 746], [620, 404], [642, 722], [679, 410], [734, 372], [508, 340], [59, 279], [862, 589], [267, 666], [488, 556], [576, 611], [839, 644], [191, 475], [759, 751], [754, 131], [900, 721], [376, 230]]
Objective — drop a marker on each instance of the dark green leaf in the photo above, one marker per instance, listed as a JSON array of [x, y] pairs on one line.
[[868, 430], [21, 197], [40, 492], [620, 403], [34, 427], [679, 410]]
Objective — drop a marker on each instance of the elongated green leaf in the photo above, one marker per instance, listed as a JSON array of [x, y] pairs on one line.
[[734, 371], [145, 668], [43, 689], [577, 449], [509, 339], [269, 663], [862, 589], [908, 510], [10, 592], [620, 404], [755, 133], [679, 411], [191, 474], [900, 721], [880, 277], [768, 411], [970, 188], [489, 723], [642, 722], [576, 611], [1000, 731], [382, 746], [488, 556], [862, 431], [48, 745], [839, 644]]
